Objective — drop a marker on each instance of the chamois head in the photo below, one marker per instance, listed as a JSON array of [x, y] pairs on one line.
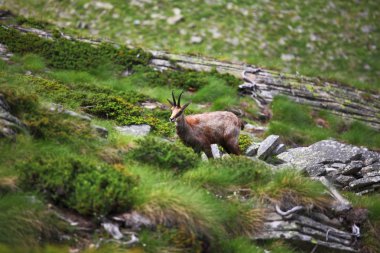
[[177, 109]]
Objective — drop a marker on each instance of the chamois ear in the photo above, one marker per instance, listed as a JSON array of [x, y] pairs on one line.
[[170, 102]]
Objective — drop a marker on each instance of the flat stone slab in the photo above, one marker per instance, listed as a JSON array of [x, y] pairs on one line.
[[363, 182], [252, 150], [268, 146], [215, 151], [137, 130], [322, 152]]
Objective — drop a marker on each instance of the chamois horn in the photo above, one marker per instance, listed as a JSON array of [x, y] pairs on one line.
[[179, 99]]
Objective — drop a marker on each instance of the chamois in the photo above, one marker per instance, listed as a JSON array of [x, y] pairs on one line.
[[199, 131]]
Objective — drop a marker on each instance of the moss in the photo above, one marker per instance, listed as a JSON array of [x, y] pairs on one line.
[[244, 142], [89, 187], [70, 54]]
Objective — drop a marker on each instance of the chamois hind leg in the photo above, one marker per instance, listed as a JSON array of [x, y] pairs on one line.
[[207, 150], [232, 146]]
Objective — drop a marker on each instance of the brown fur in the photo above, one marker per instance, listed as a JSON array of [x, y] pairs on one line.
[[199, 131]]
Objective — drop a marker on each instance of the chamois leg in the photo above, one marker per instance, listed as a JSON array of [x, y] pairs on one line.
[[208, 152], [232, 146]]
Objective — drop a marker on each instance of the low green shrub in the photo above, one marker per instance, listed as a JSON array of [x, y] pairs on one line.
[[58, 127], [165, 154], [69, 54], [244, 142], [89, 187], [186, 79]]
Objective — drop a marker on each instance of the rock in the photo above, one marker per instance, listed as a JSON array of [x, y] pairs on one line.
[[338, 165], [344, 180], [363, 182], [226, 156], [138, 130], [280, 149], [254, 129], [252, 150], [176, 18], [4, 107], [215, 151], [353, 168], [77, 115], [287, 57], [196, 39], [373, 174], [113, 230], [370, 161], [322, 152], [126, 73], [370, 168], [102, 131], [316, 170], [204, 157], [267, 146]]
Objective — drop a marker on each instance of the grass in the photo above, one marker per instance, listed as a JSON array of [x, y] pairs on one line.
[[291, 187], [24, 220], [312, 37], [215, 205], [299, 124]]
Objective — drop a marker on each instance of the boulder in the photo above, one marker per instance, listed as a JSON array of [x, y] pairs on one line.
[[268, 146], [215, 151], [322, 152], [281, 148], [138, 130], [102, 131], [353, 168], [252, 150], [363, 182]]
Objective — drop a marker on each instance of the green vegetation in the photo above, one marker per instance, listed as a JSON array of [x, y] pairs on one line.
[[299, 124], [65, 54], [314, 37], [67, 180], [61, 163], [163, 154]]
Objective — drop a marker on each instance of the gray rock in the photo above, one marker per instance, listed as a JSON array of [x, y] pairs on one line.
[[352, 168], [252, 150], [316, 170], [226, 156], [215, 151], [363, 182], [281, 148], [4, 107], [196, 39], [322, 152], [176, 18], [370, 168], [102, 131], [138, 130], [77, 115], [338, 165], [204, 157], [373, 174], [267, 146], [370, 157], [344, 180]]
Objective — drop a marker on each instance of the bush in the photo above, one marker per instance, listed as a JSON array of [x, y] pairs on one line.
[[164, 154], [90, 188]]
